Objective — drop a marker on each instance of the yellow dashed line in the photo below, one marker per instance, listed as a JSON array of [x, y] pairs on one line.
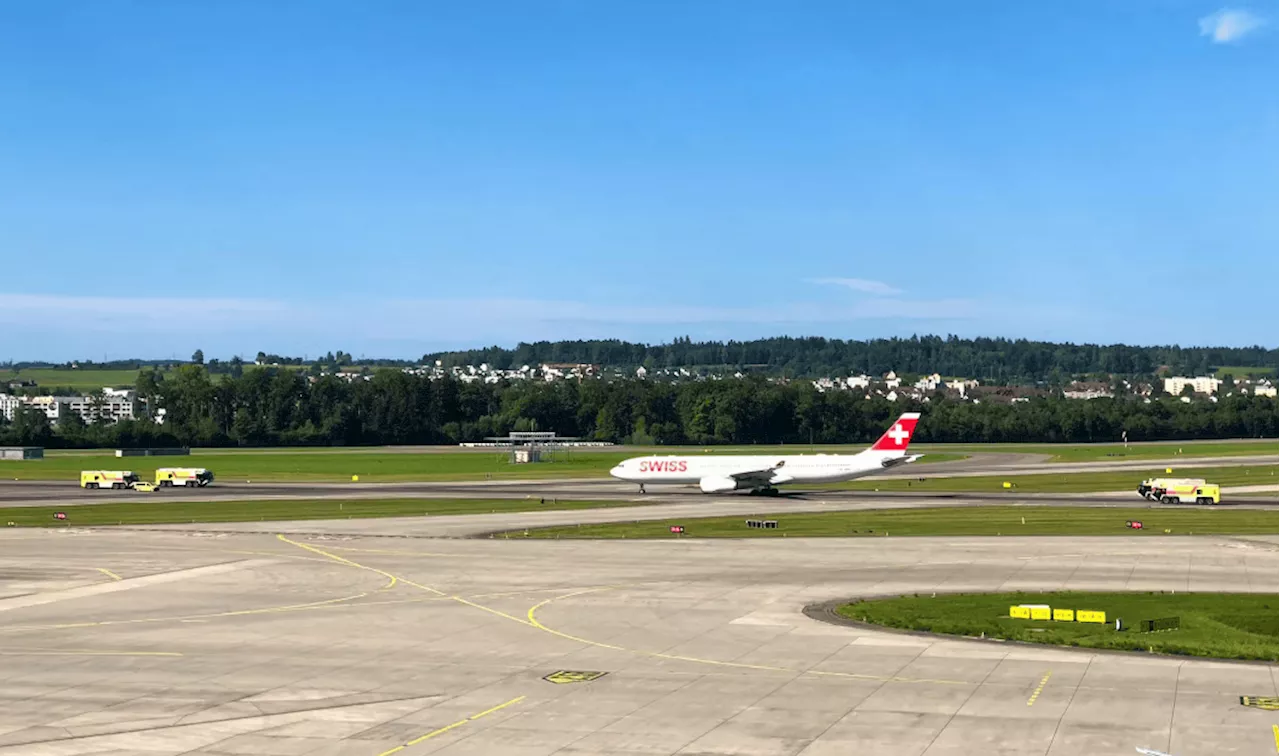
[[108, 573], [1036, 694], [455, 725]]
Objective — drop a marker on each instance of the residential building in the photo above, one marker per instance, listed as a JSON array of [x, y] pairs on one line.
[[962, 385], [929, 382], [1087, 390], [1205, 384], [115, 405]]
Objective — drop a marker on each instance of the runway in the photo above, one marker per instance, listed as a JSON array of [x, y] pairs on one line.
[[19, 493], [188, 641]]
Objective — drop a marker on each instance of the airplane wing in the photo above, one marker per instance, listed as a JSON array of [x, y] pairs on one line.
[[895, 461], [762, 476]]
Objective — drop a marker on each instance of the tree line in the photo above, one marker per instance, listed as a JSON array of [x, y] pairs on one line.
[[280, 407], [999, 360]]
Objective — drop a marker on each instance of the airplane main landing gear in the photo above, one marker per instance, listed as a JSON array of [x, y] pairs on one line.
[[641, 488], [767, 491]]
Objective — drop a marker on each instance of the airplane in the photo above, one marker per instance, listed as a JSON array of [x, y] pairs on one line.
[[723, 473]]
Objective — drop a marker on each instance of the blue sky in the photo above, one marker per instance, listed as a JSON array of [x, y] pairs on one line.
[[391, 178]]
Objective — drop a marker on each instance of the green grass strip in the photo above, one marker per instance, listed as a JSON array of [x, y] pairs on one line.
[[939, 521], [1212, 625], [158, 510], [1119, 480]]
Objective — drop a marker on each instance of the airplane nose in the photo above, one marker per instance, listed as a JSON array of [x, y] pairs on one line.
[[617, 471]]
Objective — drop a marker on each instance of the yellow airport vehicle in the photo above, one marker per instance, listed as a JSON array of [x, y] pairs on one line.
[[145, 486], [183, 476], [1154, 488], [1200, 493], [107, 479]]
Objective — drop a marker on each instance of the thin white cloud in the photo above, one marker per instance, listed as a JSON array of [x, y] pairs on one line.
[[190, 320], [1229, 24], [859, 284]]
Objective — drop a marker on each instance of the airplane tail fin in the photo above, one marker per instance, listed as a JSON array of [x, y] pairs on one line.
[[898, 437]]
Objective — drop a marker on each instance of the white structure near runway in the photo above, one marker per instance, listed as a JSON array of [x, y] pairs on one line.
[[114, 405]]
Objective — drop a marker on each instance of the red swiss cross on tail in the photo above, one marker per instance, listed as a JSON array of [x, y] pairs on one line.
[[899, 434]]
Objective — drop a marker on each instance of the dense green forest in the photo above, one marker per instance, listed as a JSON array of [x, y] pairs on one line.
[[1002, 360], [268, 406]]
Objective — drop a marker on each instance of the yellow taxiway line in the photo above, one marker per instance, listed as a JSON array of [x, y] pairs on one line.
[[453, 726], [1036, 694]]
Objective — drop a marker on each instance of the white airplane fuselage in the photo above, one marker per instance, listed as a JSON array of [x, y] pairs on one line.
[[722, 473], [795, 468]]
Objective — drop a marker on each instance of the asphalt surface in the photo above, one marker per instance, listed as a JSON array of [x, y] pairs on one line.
[[17, 493], [336, 642], [400, 637]]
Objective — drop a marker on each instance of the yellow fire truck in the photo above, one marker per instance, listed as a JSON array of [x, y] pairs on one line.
[[107, 479], [183, 476], [1200, 493], [1154, 488]]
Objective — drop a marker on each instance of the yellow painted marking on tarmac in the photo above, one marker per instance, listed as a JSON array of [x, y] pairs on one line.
[[453, 726], [1275, 730], [532, 621], [108, 573], [1036, 693], [392, 579], [406, 581]]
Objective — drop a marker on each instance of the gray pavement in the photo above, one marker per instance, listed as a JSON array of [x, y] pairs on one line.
[[19, 493], [329, 641]]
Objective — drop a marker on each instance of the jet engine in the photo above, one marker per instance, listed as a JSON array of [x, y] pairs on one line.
[[718, 484]]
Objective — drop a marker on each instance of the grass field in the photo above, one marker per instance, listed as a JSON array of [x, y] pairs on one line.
[[1241, 372], [1118, 452], [1214, 625], [375, 467], [937, 521], [379, 466], [1120, 480], [145, 509], [375, 464], [80, 380]]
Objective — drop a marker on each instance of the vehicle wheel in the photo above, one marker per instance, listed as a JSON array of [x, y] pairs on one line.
[[191, 484], [92, 486], [166, 483], [1174, 500], [1203, 500]]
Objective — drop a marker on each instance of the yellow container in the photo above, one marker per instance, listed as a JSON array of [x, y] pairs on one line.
[[1064, 615], [1085, 615], [1041, 613], [1020, 612]]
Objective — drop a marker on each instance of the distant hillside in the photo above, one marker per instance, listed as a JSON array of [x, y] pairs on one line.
[[990, 359]]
